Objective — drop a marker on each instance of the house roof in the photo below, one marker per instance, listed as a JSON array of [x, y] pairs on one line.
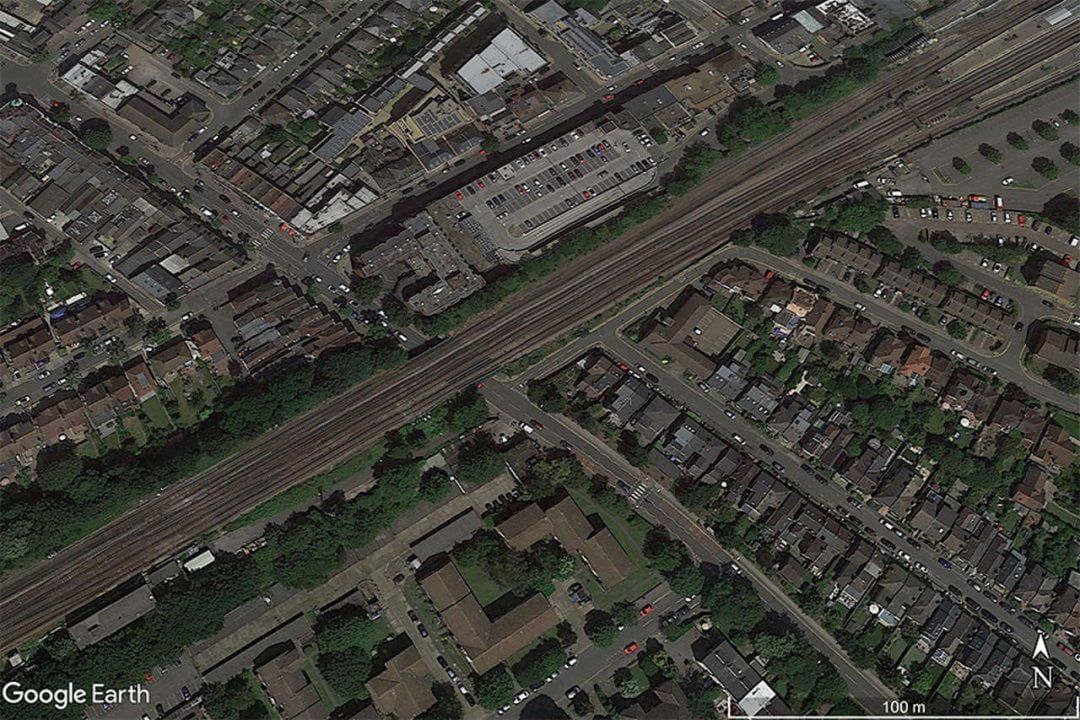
[[403, 688], [691, 331], [486, 641], [291, 689], [565, 521], [1058, 346], [114, 616]]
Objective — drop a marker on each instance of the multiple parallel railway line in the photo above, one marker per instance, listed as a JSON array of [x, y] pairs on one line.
[[867, 126]]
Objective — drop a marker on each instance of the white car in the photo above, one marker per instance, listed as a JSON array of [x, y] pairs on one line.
[[521, 696], [738, 438], [24, 400], [110, 278], [570, 661], [704, 132], [1008, 181]]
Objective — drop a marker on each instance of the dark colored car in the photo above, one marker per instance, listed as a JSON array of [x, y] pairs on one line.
[[944, 563], [766, 449]]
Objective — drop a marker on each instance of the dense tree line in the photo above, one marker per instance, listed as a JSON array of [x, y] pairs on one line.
[[577, 244], [301, 552], [73, 495], [777, 234], [750, 122]]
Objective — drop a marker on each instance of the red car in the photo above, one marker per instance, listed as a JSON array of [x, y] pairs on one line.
[[608, 98], [645, 610], [630, 649], [985, 295], [1020, 220], [1066, 649], [459, 196], [1067, 261]]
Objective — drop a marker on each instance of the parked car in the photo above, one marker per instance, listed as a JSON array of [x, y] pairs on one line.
[[630, 649]]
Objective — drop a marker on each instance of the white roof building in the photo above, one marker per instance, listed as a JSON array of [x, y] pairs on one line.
[[506, 55]]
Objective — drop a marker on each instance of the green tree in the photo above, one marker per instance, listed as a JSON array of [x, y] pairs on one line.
[[624, 613], [1063, 210], [947, 273], [490, 144], [630, 447], [233, 700], [1063, 379], [958, 329], [766, 75], [857, 216], [1045, 130], [547, 476], [1071, 153], [775, 647], [347, 629], [434, 486], [1070, 117], [600, 628], [991, 153], [494, 688], [1017, 140], [335, 227], [103, 10], [539, 663], [98, 138], [547, 396], [479, 462], [961, 166], [367, 289], [304, 551], [734, 606], [885, 241], [346, 672], [1046, 167]]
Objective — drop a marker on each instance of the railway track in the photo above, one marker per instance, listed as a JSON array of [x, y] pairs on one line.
[[774, 176]]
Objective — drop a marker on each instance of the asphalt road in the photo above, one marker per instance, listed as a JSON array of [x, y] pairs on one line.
[[777, 173], [663, 510], [1007, 363], [829, 496]]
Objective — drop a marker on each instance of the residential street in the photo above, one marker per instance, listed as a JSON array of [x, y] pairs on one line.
[[660, 508], [683, 393]]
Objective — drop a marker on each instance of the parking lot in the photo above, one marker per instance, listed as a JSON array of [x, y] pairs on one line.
[[542, 192], [1028, 189], [169, 686], [994, 222]]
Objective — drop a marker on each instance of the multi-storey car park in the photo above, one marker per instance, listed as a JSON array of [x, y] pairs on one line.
[[527, 201]]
